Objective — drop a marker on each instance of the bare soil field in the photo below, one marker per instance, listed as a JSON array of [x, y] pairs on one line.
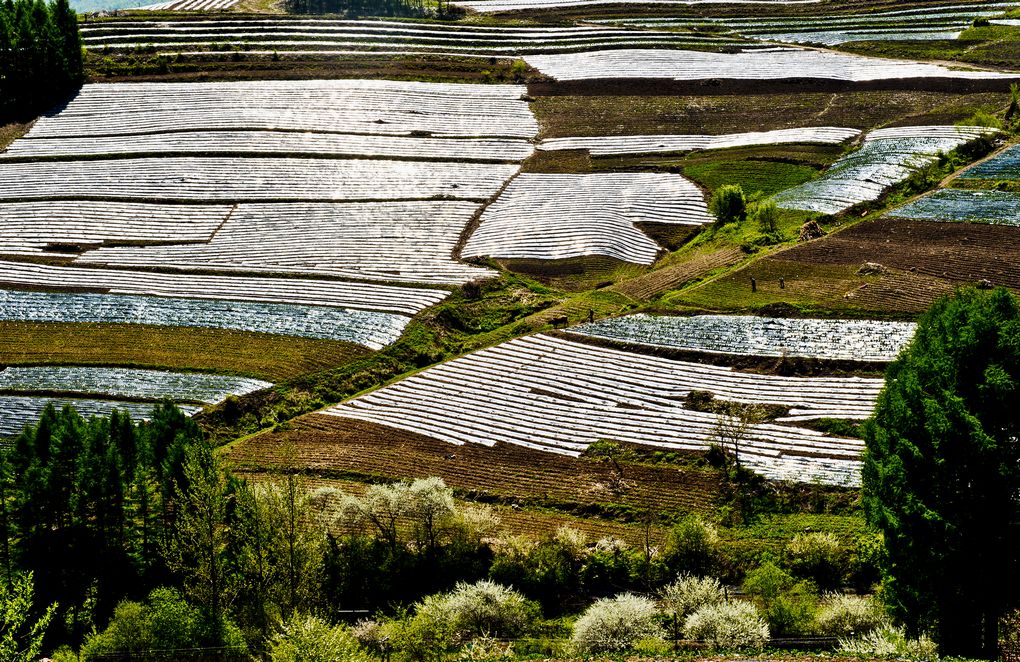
[[331, 447]]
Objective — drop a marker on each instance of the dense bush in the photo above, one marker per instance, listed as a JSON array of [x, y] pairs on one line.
[[889, 642], [787, 604], [309, 639], [488, 609], [40, 56], [844, 615], [728, 625], [691, 546], [728, 204], [765, 214], [688, 594], [819, 557], [616, 624]]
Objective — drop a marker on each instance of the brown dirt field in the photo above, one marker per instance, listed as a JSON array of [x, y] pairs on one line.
[[11, 132], [955, 252], [257, 354], [574, 274], [334, 447], [709, 112], [673, 277]]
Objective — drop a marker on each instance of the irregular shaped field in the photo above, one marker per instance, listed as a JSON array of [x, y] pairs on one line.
[[617, 145], [887, 157], [559, 396], [964, 206], [61, 227], [847, 340], [774, 64], [551, 217], [371, 329], [18, 411], [1005, 165], [930, 22], [391, 241], [373, 107], [369, 36], [132, 383]]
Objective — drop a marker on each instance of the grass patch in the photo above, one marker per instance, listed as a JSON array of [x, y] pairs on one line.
[[254, 354], [769, 177]]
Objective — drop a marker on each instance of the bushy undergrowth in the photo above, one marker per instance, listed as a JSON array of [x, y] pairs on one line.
[[310, 639], [728, 625], [889, 642], [842, 615]]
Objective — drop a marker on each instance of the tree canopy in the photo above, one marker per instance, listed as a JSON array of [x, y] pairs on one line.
[[40, 55], [942, 471]]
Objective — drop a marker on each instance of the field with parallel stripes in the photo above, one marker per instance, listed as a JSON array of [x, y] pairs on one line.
[[551, 217], [960, 205], [557, 396], [16, 411], [617, 145]]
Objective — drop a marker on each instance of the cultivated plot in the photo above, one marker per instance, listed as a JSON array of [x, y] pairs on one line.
[[390, 241], [377, 36], [17, 411], [559, 396], [964, 206], [192, 5], [887, 157], [551, 217], [371, 329], [128, 383], [1004, 166], [929, 22], [623, 145], [66, 227], [744, 335], [773, 64], [523, 5], [371, 107]]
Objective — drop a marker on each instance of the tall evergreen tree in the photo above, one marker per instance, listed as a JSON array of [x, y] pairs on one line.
[[941, 473]]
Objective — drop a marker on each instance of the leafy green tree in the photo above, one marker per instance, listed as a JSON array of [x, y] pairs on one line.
[[21, 636], [728, 204], [942, 471]]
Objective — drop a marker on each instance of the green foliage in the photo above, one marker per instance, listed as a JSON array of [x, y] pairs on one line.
[[616, 624], [165, 622], [982, 118], [770, 177], [354, 8], [309, 639], [819, 557], [942, 468], [426, 635], [40, 55], [788, 605], [489, 609], [691, 546], [21, 632], [728, 204]]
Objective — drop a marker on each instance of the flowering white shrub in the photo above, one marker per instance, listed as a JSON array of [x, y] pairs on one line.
[[688, 594], [889, 641], [616, 624], [728, 625], [486, 649], [843, 615], [309, 639], [487, 609]]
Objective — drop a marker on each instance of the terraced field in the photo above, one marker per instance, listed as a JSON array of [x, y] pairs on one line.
[[557, 396], [617, 145], [848, 340], [552, 217], [929, 22], [887, 157], [964, 206], [17, 411], [324, 37]]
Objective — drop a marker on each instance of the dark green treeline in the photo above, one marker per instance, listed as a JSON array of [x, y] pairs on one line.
[[40, 56]]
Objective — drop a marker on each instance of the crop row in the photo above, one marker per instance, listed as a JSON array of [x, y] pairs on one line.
[[217, 179], [329, 106], [558, 396], [391, 241], [56, 227], [770, 64], [371, 329], [267, 143], [362, 296], [887, 157], [490, 6], [617, 145], [191, 5], [960, 205], [1005, 165], [557, 216], [133, 383], [849, 340], [18, 411], [917, 23]]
